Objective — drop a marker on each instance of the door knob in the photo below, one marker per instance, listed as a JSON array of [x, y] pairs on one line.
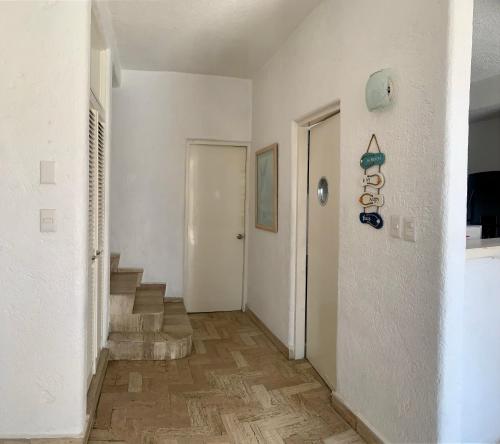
[[240, 236]]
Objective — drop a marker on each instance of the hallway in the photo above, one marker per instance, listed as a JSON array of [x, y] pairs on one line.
[[236, 387]]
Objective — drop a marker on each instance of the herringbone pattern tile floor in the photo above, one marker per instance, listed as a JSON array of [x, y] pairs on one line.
[[236, 387]]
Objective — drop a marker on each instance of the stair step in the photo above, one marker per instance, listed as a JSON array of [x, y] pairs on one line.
[[162, 288], [123, 283], [121, 305], [139, 271], [147, 301], [114, 260], [146, 314], [173, 342], [136, 322], [175, 319]]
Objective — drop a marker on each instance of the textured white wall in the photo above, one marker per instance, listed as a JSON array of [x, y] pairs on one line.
[[44, 59], [154, 113], [484, 145], [390, 292], [481, 360]]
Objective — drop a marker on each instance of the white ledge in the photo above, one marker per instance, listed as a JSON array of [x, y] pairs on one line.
[[477, 248]]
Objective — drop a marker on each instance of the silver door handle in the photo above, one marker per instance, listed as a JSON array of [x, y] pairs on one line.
[[240, 236]]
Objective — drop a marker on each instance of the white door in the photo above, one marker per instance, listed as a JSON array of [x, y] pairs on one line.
[[215, 224], [95, 239], [322, 259]]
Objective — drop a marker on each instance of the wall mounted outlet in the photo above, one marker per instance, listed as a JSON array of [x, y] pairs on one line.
[[396, 226], [410, 229], [48, 221], [47, 172]]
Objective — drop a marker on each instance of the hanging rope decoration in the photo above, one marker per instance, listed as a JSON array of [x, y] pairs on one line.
[[371, 200]]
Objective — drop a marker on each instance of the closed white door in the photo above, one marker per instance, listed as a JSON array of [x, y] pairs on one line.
[[215, 224], [322, 260]]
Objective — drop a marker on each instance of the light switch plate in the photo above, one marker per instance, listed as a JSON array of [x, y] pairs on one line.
[[47, 172], [410, 229], [48, 221], [396, 226]]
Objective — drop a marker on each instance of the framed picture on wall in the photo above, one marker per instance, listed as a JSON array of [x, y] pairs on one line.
[[266, 193]]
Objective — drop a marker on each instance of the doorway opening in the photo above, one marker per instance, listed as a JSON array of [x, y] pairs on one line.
[[300, 221], [482, 254], [215, 226], [322, 247]]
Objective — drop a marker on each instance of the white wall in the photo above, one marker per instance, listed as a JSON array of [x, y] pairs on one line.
[[485, 97], [44, 59], [392, 293], [154, 113], [484, 145], [481, 360]]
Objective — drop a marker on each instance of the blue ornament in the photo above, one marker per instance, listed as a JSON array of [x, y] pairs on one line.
[[372, 159]]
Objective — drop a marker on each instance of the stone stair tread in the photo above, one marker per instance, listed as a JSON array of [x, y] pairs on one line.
[[173, 342], [158, 288], [129, 270], [141, 336], [123, 283], [174, 307], [145, 289], [146, 303]]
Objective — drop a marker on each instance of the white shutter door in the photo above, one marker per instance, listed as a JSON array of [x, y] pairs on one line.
[[92, 244], [100, 231]]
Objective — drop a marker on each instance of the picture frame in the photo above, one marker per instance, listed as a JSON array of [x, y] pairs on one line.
[[266, 188]]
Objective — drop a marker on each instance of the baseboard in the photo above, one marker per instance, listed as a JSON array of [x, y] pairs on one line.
[[354, 421], [43, 441], [94, 391], [269, 334]]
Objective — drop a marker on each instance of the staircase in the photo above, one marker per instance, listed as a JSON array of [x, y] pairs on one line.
[[144, 325]]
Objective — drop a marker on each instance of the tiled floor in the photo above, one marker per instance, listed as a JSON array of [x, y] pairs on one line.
[[236, 387]]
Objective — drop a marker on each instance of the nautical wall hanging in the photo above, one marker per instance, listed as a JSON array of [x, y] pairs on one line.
[[373, 180]]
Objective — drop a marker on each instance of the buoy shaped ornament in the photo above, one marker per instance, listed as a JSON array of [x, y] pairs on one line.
[[372, 182]]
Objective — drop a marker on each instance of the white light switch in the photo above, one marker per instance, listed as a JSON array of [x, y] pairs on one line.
[[396, 226], [47, 172], [47, 221], [410, 229]]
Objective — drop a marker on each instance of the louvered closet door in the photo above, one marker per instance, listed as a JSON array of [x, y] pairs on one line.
[[95, 239], [100, 234]]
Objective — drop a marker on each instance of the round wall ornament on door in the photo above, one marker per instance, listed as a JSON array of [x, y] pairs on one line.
[[323, 191]]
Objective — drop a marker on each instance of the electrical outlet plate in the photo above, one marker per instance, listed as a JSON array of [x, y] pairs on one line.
[[410, 229], [48, 221], [396, 226], [47, 172]]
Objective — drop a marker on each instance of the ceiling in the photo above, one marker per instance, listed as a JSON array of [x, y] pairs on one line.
[[222, 37], [486, 40]]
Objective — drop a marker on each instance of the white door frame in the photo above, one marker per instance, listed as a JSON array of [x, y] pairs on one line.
[[298, 225], [212, 142]]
